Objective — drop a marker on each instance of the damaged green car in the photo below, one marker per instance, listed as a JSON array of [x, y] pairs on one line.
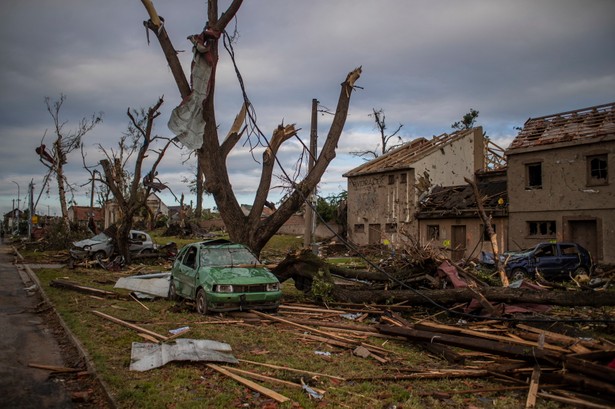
[[219, 275]]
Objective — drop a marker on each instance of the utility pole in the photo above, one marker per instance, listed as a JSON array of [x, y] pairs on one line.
[[309, 212], [31, 208]]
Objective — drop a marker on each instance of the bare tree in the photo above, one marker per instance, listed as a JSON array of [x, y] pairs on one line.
[[198, 105], [129, 190], [380, 120], [66, 141]]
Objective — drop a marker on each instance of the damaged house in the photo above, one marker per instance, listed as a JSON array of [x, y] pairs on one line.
[[383, 194], [561, 185], [448, 216]]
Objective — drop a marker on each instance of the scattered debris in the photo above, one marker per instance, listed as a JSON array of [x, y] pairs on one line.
[[153, 284], [146, 356], [254, 386], [82, 289]]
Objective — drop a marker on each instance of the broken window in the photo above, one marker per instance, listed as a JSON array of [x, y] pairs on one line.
[[533, 175], [543, 228], [403, 178], [359, 228], [433, 232], [391, 179], [390, 227], [485, 233], [597, 170]]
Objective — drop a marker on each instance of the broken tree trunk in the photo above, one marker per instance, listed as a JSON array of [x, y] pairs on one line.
[[493, 294], [492, 237]]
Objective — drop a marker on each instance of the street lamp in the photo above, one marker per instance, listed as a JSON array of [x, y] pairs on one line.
[[18, 194]]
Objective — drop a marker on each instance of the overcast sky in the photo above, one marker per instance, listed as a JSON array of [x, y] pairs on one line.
[[425, 63]]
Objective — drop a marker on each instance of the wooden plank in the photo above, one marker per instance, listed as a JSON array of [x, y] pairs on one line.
[[286, 368], [266, 378], [54, 368], [129, 325], [572, 343], [148, 337], [530, 402], [428, 325], [252, 385], [577, 403]]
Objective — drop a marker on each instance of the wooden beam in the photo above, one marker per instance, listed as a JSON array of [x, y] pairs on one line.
[[286, 368], [266, 378], [252, 385], [530, 402], [129, 325]]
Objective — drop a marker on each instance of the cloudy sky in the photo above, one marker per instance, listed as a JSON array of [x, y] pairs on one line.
[[425, 63]]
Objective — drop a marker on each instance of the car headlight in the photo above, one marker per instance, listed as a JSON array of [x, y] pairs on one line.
[[224, 288], [273, 287]]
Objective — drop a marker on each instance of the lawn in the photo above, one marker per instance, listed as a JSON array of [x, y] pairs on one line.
[[195, 385]]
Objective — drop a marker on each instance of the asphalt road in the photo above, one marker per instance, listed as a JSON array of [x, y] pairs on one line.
[[25, 338]]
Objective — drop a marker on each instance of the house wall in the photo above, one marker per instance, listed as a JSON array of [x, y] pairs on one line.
[[474, 242], [379, 210], [452, 162], [380, 205], [566, 197]]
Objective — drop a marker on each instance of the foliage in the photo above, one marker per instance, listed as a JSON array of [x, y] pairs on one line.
[[467, 121], [328, 207]]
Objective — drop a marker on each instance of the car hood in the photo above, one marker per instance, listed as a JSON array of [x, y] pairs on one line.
[[240, 275], [88, 242]]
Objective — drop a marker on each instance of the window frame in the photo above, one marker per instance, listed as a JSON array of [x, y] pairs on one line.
[[535, 228], [592, 181], [530, 175]]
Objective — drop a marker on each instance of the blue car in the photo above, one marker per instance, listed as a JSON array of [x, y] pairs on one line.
[[554, 261]]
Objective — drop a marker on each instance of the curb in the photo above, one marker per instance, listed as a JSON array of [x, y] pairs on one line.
[[73, 339]]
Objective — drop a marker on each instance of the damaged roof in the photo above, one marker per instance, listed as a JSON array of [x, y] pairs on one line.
[[459, 201], [581, 125], [407, 154]]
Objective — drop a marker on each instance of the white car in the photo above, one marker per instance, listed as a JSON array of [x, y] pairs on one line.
[[101, 245]]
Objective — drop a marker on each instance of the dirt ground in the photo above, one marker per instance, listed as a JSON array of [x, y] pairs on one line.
[[32, 335]]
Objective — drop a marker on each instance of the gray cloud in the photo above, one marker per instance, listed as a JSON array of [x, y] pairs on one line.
[[426, 63]]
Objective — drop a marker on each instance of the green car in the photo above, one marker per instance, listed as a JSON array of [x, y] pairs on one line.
[[219, 275]]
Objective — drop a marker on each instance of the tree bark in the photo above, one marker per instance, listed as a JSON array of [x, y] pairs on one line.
[[251, 230], [493, 294]]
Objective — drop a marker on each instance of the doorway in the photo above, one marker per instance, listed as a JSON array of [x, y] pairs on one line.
[[458, 242]]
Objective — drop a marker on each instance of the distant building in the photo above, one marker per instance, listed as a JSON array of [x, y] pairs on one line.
[[383, 194], [154, 204], [82, 214], [562, 181]]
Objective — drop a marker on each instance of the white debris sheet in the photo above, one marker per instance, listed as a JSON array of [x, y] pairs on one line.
[[146, 356], [156, 284]]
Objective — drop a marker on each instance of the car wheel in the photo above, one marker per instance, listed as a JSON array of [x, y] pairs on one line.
[[580, 271], [518, 274], [100, 255], [146, 251], [173, 291], [201, 302]]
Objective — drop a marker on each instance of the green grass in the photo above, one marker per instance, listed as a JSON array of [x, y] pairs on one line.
[[194, 385]]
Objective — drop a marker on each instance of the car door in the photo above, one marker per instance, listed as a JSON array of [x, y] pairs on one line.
[[570, 258], [187, 273], [547, 259]]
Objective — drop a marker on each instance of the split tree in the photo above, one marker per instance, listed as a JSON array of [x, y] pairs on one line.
[[195, 120]]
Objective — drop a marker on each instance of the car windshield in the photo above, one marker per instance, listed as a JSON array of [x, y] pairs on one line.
[[100, 237], [227, 257]]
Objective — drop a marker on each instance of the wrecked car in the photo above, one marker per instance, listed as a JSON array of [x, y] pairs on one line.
[[554, 261], [101, 246], [219, 275]]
